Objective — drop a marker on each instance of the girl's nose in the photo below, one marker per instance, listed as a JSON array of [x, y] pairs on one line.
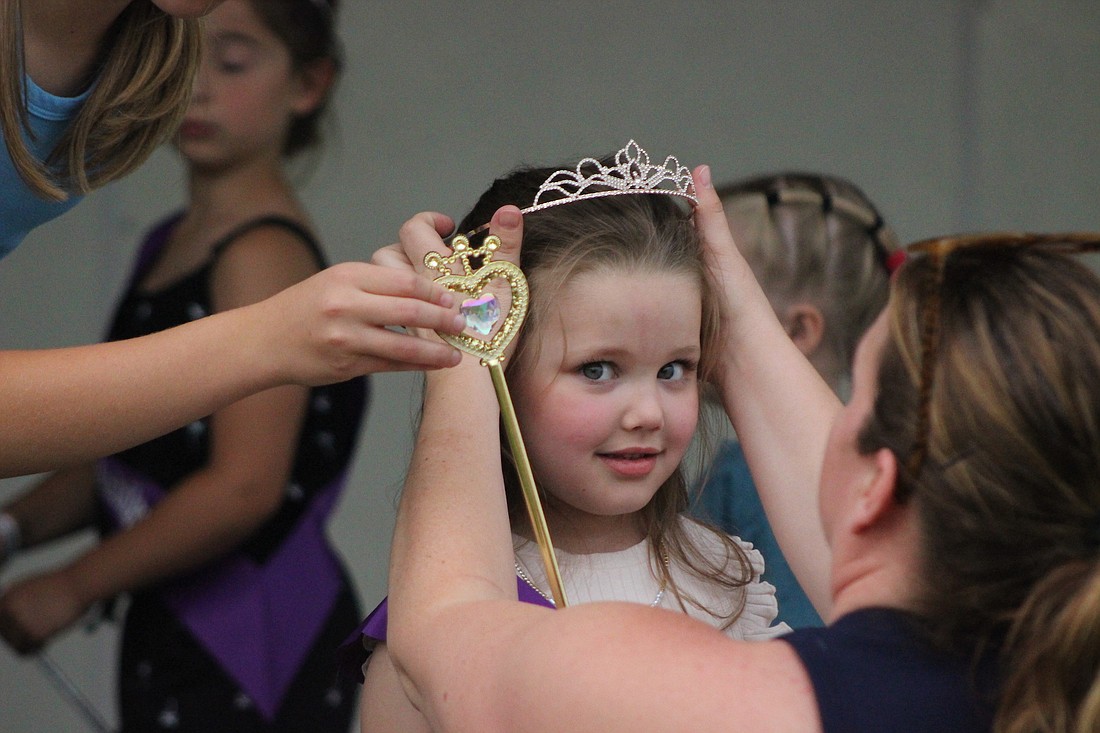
[[200, 87], [643, 410]]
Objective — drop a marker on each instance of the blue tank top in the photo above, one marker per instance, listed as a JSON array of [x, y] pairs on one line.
[[21, 210], [872, 671]]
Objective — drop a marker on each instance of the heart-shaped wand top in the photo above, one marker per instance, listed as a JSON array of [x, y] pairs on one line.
[[481, 305]]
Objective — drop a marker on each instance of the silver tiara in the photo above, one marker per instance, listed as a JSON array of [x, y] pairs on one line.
[[632, 173]]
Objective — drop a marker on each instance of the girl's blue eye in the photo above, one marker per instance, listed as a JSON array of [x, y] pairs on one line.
[[672, 370], [597, 371]]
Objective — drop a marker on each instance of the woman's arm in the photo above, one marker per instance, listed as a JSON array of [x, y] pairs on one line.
[[252, 448], [383, 706], [780, 407], [63, 406]]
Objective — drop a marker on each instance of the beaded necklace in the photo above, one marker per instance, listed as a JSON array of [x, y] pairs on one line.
[[522, 573]]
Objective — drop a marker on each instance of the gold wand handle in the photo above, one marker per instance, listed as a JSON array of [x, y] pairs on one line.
[[482, 311], [527, 483]]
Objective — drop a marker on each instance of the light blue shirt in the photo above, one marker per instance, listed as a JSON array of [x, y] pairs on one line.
[[20, 209]]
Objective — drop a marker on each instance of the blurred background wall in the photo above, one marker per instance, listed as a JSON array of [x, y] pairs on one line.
[[952, 115]]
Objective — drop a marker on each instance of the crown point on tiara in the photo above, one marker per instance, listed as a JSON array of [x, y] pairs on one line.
[[632, 173]]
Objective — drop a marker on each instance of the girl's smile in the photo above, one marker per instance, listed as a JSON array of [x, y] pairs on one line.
[[631, 462]]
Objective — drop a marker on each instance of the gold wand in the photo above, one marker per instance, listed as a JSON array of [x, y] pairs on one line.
[[482, 311]]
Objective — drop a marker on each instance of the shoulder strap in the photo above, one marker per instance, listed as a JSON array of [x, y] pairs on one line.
[[273, 220], [150, 248]]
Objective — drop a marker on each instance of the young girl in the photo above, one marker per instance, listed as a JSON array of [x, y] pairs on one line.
[[823, 256], [605, 381], [87, 91], [218, 528]]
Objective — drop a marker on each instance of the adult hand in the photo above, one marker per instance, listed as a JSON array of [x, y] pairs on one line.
[[34, 610], [336, 324], [730, 271]]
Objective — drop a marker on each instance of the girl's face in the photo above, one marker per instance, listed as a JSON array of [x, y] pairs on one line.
[[611, 401], [245, 94]]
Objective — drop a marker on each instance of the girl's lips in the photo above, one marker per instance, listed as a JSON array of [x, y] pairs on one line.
[[630, 464], [195, 129]]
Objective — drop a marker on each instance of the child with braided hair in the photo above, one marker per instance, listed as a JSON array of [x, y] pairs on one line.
[[823, 255]]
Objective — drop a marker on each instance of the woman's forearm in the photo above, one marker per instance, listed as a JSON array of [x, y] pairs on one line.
[[65, 406], [452, 540], [779, 405]]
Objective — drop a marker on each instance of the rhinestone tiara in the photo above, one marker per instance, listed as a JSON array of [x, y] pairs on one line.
[[632, 173]]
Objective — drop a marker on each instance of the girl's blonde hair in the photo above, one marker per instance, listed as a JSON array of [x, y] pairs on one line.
[[647, 233], [814, 237], [141, 91], [1008, 494]]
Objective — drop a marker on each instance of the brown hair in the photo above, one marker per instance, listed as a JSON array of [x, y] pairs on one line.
[[814, 237], [142, 89], [650, 233], [308, 29], [1008, 495]]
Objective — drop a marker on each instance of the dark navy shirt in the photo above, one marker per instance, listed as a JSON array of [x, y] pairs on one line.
[[872, 670]]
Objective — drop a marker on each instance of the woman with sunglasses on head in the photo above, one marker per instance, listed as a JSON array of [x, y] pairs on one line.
[[959, 512]]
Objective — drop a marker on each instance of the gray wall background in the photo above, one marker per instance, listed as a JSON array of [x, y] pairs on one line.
[[952, 114]]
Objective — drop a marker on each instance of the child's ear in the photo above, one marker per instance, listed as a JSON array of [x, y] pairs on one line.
[[314, 82], [877, 497], [805, 325]]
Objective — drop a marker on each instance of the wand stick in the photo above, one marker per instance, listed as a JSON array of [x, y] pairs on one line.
[[527, 484], [483, 314]]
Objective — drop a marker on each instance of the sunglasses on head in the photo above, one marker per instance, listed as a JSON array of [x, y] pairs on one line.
[[940, 250]]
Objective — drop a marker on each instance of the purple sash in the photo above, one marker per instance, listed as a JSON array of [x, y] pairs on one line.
[[355, 650], [258, 621]]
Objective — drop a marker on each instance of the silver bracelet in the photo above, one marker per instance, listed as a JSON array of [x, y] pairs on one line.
[[11, 537]]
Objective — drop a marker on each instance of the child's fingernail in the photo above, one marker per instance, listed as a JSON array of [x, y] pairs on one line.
[[510, 219], [460, 322], [447, 299], [703, 179]]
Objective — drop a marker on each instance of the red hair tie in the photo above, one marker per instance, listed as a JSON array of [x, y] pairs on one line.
[[895, 260]]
